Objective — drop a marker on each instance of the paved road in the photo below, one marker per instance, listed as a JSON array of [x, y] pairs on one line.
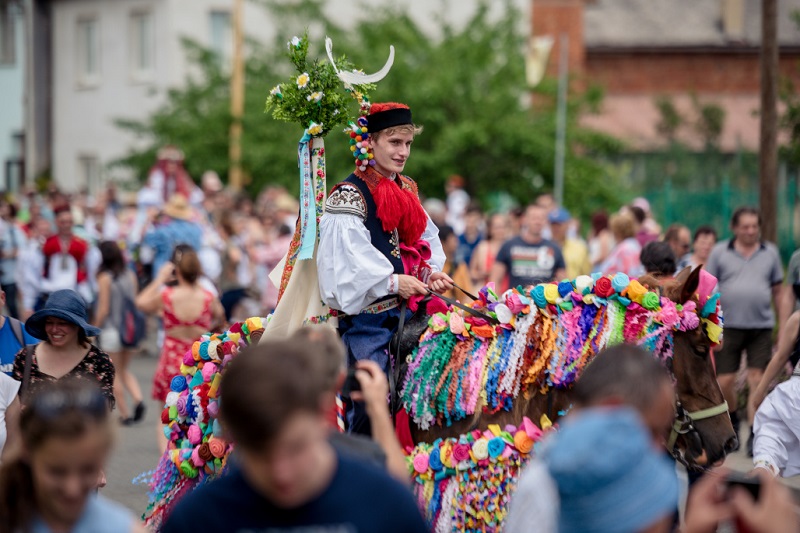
[[136, 450]]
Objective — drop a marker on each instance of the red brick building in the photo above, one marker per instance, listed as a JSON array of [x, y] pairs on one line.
[[641, 50]]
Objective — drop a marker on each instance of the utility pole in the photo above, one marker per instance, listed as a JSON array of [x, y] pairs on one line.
[[561, 119], [237, 100], [768, 144]]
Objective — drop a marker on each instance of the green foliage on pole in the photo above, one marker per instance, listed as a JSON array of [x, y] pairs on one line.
[[466, 87]]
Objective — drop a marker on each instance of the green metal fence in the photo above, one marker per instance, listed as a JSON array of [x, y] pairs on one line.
[[699, 188], [714, 206]]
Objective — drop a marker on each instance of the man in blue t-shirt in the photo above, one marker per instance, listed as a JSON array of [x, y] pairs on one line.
[[529, 258], [286, 475], [12, 337]]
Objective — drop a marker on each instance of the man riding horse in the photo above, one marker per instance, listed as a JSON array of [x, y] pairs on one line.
[[377, 244]]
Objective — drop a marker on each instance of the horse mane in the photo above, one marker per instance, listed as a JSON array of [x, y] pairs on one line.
[[463, 366]]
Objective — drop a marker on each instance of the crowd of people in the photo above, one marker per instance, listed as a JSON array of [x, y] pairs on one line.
[[79, 272]]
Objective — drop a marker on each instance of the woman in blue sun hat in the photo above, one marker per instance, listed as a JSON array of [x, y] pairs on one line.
[[65, 350]]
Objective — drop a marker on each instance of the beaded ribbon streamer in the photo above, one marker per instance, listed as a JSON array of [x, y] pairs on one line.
[[196, 451]]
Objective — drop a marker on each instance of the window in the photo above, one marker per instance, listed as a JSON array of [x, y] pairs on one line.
[[89, 173], [222, 36], [8, 15], [88, 45], [142, 44]]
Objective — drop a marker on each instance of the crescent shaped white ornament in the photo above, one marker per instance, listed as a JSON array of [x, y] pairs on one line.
[[357, 78]]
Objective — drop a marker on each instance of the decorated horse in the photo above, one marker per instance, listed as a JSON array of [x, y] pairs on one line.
[[482, 384], [482, 388]]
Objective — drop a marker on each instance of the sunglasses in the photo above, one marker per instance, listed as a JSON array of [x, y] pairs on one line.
[[51, 405]]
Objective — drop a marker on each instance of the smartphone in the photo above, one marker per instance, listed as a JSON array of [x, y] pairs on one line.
[[351, 383], [750, 483]]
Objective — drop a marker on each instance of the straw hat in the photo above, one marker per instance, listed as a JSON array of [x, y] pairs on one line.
[[178, 207]]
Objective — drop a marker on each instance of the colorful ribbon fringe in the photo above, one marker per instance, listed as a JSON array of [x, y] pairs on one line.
[[546, 337], [465, 483], [197, 451]]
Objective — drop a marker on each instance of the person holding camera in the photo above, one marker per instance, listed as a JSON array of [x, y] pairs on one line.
[[188, 310]]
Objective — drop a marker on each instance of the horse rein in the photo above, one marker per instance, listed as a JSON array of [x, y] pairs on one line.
[[684, 425], [394, 378]]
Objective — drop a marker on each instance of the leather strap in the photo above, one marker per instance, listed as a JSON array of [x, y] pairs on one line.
[[465, 308], [26, 374], [394, 377], [474, 298]]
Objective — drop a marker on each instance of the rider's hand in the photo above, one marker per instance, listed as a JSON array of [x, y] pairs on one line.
[[440, 282], [374, 386], [409, 286], [774, 510]]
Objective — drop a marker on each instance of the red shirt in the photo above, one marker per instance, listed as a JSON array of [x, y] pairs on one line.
[[77, 249]]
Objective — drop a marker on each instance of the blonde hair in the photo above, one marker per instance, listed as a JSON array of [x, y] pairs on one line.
[[404, 128], [622, 226]]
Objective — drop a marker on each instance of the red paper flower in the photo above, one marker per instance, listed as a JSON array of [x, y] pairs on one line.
[[603, 287]]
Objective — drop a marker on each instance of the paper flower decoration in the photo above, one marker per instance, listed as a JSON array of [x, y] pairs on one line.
[[302, 80], [295, 42], [316, 96], [315, 129]]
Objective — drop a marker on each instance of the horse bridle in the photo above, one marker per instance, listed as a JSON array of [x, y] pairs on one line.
[[684, 425], [394, 345]]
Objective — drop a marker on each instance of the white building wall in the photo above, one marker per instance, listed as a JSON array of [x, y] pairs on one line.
[[83, 115], [12, 110]]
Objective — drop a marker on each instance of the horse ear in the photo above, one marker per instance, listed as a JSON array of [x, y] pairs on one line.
[[683, 275], [690, 285]]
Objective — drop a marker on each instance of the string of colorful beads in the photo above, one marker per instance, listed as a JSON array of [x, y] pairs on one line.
[[196, 451], [360, 141], [546, 336]]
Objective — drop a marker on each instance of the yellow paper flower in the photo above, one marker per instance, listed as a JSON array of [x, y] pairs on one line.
[[276, 91], [302, 80], [636, 291], [315, 96], [314, 129], [551, 293]]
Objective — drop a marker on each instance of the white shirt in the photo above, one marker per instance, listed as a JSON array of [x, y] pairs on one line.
[[9, 388], [535, 504], [352, 273]]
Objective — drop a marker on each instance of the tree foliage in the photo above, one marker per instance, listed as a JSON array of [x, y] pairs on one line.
[[467, 88], [790, 119]]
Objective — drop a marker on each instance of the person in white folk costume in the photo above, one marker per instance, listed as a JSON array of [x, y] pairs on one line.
[[377, 244]]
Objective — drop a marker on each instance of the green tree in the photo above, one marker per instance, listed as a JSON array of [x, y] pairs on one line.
[[670, 120], [790, 119], [467, 88]]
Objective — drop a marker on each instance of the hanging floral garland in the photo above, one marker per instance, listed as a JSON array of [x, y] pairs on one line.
[[196, 451]]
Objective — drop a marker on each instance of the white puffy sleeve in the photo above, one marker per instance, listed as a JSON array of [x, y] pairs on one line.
[[431, 236], [352, 273]]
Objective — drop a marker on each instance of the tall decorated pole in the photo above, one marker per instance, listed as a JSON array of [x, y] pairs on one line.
[[316, 98]]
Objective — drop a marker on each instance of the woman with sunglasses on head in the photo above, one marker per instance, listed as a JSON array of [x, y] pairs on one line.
[[50, 487], [65, 350]]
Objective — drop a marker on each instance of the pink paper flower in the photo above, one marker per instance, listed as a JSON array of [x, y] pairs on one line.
[[668, 314]]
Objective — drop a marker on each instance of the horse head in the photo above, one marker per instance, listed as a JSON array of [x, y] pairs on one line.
[[703, 433]]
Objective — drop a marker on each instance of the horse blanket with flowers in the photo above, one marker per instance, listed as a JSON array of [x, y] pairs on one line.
[[197, 450], [546, 336]]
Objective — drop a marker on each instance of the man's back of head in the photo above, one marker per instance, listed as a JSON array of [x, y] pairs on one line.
[[266, 385]]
